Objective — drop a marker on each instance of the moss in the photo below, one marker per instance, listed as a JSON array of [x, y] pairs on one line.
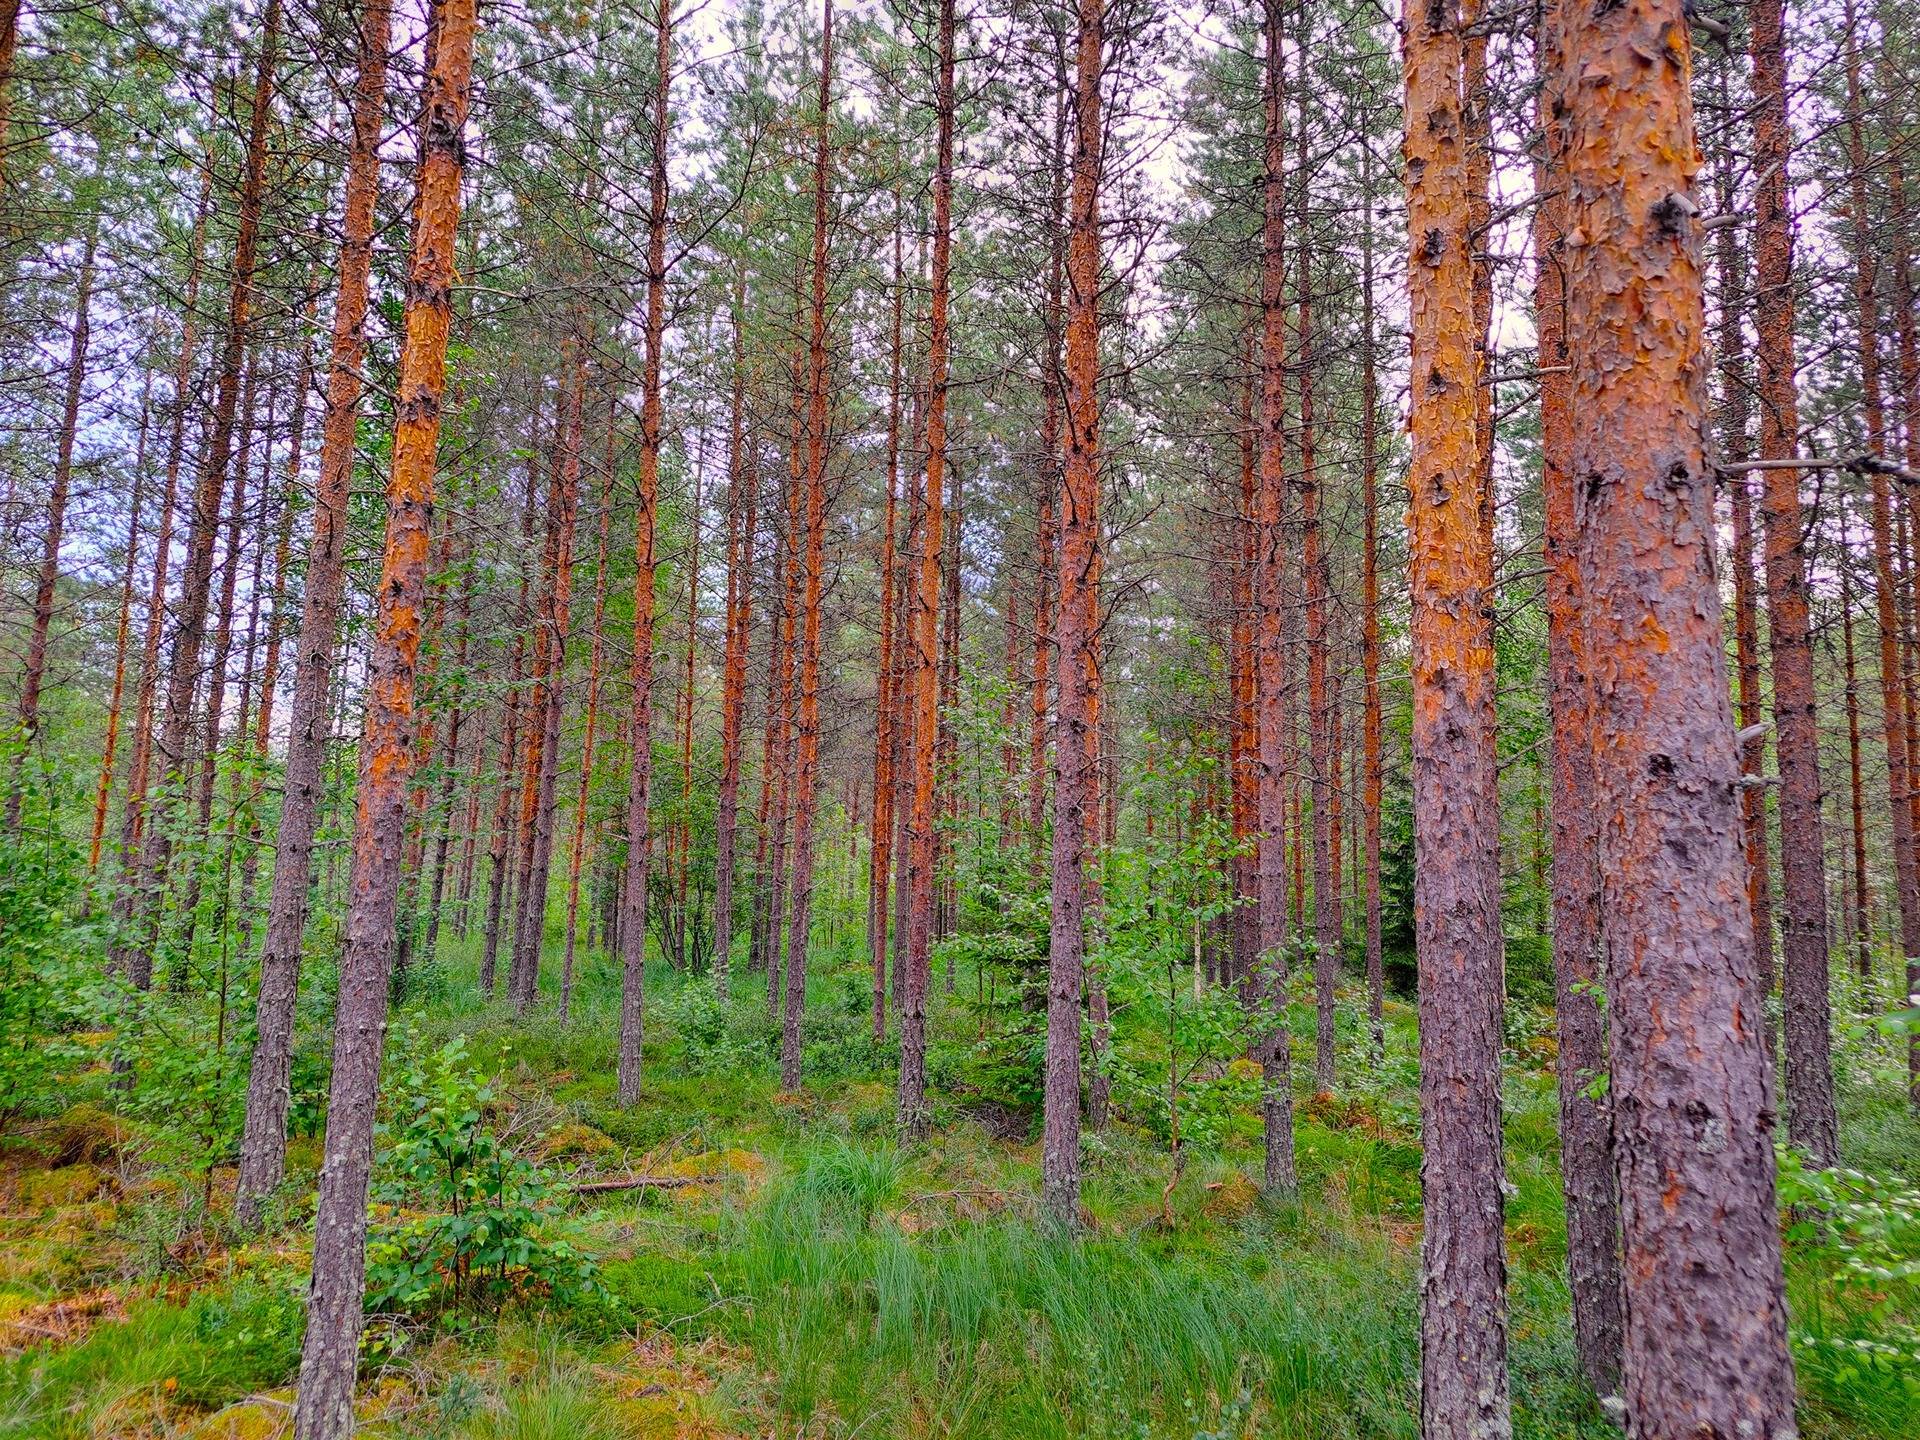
[[87, 1134], [574, 1141], [260, 1417], [69, 1185]]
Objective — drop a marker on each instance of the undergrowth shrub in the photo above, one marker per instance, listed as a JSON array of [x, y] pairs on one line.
[[1854, 1290], [716, 1037], [47, 985], [470, 1208]]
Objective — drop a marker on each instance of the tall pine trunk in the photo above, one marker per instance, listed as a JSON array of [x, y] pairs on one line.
[[1812, 1119], [1371, 764], [1456, 800], [743, 485], [263, 1139], [886, 690], [924, 677], [324, 1405], [1314, 587], [1705, 1322], [633, 917], [596, 651], [1274, 1051], [1586, 1149], [1074, 775], [807, 728]]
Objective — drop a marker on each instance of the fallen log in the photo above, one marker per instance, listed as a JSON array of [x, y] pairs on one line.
[[640, 1182]]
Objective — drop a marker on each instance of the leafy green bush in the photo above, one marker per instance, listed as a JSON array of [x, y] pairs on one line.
[[1855, 1289], [47, 989], [255, 1327], [483, 1236], [716, 1037], [188, 1057]]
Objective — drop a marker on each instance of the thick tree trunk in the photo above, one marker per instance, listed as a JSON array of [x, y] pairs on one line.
[[263, 1139], [633, 917], [1275, 1050], [1812, 1119], [1705, 1333], [324, 1407], [1074, 775], [1456, 799], [923, 673], [1586, 1151]]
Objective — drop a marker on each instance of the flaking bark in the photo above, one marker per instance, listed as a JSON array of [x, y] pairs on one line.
[[1457, 933], [324, 1405], [1705, 1333]]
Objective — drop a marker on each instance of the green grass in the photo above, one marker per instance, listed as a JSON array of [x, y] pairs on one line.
[[869, 1290], [221, 1344]]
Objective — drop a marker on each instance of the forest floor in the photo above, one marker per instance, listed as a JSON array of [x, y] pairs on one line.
[[799, 1274]]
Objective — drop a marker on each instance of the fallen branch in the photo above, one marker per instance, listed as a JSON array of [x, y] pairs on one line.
[[641, 1182]]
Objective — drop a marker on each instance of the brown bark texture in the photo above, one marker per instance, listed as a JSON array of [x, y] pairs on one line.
[[807, 730], [1813, 1123], [1457, 934], [324, 1405], [924, 676], [743, 483], [264, 1132], [1586, 1152], [1074, 773], [1276, 1063], [1705, 1323], [633, 918]]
